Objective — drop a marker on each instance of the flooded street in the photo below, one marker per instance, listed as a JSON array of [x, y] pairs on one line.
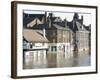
[[54, 60]]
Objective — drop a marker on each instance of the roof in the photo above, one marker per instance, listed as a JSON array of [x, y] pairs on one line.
[[27, 18], [34, 36], [60, 27], [32, 23], [80, 27], [62, 23], [56, 19], [41, 26], [35, 21], [87, 27], [71, 26]]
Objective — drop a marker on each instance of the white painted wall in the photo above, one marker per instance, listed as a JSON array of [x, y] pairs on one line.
[[40, 46], [5, 41], [36, 46]]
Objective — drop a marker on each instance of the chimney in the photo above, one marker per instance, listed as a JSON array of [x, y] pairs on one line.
[[82, 20], [49, 23], [76, 17], [65, 22], [50, 20], [44, 35], [73, 24], [45, 17], [90, 27], [51, 15]]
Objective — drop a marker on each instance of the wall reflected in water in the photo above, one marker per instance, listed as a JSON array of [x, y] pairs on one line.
[[54, 60]]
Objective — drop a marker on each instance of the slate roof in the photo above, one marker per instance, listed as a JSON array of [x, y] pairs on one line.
[[80, 27], [41, 26], [60, 27], [87, 27], [60, 23], [27, 18], [74, 25]]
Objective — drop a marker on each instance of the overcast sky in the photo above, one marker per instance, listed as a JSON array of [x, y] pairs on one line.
[[67, 15]]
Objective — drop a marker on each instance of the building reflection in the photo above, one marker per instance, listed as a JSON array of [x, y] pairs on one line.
[[55, 60]]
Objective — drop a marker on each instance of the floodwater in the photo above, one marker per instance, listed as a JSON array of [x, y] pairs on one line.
[[57, 60]]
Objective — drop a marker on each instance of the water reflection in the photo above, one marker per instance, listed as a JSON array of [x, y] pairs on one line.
[[53, 60]]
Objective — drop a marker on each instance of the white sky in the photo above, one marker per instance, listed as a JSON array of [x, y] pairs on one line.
[[63, 15]]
